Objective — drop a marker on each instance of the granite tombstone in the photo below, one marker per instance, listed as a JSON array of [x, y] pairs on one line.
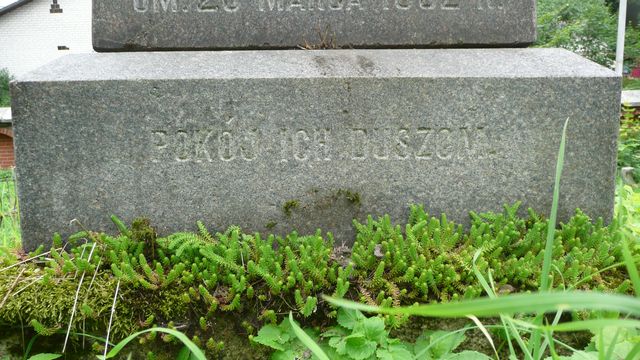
[[125, 25], [283, 140]]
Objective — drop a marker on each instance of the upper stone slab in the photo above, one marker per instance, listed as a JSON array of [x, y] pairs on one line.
[[126, 25]]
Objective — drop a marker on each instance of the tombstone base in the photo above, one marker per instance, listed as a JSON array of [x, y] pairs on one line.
[[274, 141]]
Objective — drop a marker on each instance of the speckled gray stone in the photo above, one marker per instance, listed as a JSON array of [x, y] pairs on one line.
[[282, 140], [125, 25]]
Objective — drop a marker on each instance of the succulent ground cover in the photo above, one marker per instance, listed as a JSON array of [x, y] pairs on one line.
[[221, 288]]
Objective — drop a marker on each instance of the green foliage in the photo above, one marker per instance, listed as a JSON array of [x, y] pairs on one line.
[[282, 339], [617, 342], [357, 337], [43, 330], [623, 343], [629, 145], [587, 27], [432, 257], [201, 275], [9, 214], [628, 208], [442, 344], [630, 83], [5, 97]]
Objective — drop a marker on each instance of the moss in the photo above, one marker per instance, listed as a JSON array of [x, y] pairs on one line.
[[353, 197], [289, 206], [271, 225], [142, 231]]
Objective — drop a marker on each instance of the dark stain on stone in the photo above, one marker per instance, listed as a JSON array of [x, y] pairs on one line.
[[352, 196], [368, 66]]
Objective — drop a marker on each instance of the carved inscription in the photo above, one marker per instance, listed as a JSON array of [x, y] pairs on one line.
[[305, 144], [205, 145], [424, 143], [232, 6]]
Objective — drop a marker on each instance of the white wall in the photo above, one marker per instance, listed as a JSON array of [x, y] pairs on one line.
[[30, 35]]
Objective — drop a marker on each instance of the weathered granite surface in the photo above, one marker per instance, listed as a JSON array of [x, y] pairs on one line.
[[125, 25], [281, 140]]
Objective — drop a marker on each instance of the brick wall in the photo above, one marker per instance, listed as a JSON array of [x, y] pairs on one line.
[[7, 159], [30, 35]]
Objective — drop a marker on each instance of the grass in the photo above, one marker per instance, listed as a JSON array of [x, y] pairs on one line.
[[9, 217], [630, 84], [628, 205], [515, 308]]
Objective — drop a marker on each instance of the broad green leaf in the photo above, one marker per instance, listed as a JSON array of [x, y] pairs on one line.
[[620, 345], [349, 318], [283, 355], [334, 342], [340, 344], [45, 357], [374, 329], [448, 344], [287, 330], [272, 336], [439, 343], [335, 331], [358, 347], [394, 352]]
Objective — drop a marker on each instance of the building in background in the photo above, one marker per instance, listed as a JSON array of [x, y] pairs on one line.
[[35, 32]]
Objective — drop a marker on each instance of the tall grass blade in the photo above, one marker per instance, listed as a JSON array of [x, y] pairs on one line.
[[552, 346], [509, 329], [509, 305], [306, 340], [551, 229], [545, 284], [629, 261], [592, 325], [485, 333], [195, 350], [113, 311], [631, 267], [612, 345]]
